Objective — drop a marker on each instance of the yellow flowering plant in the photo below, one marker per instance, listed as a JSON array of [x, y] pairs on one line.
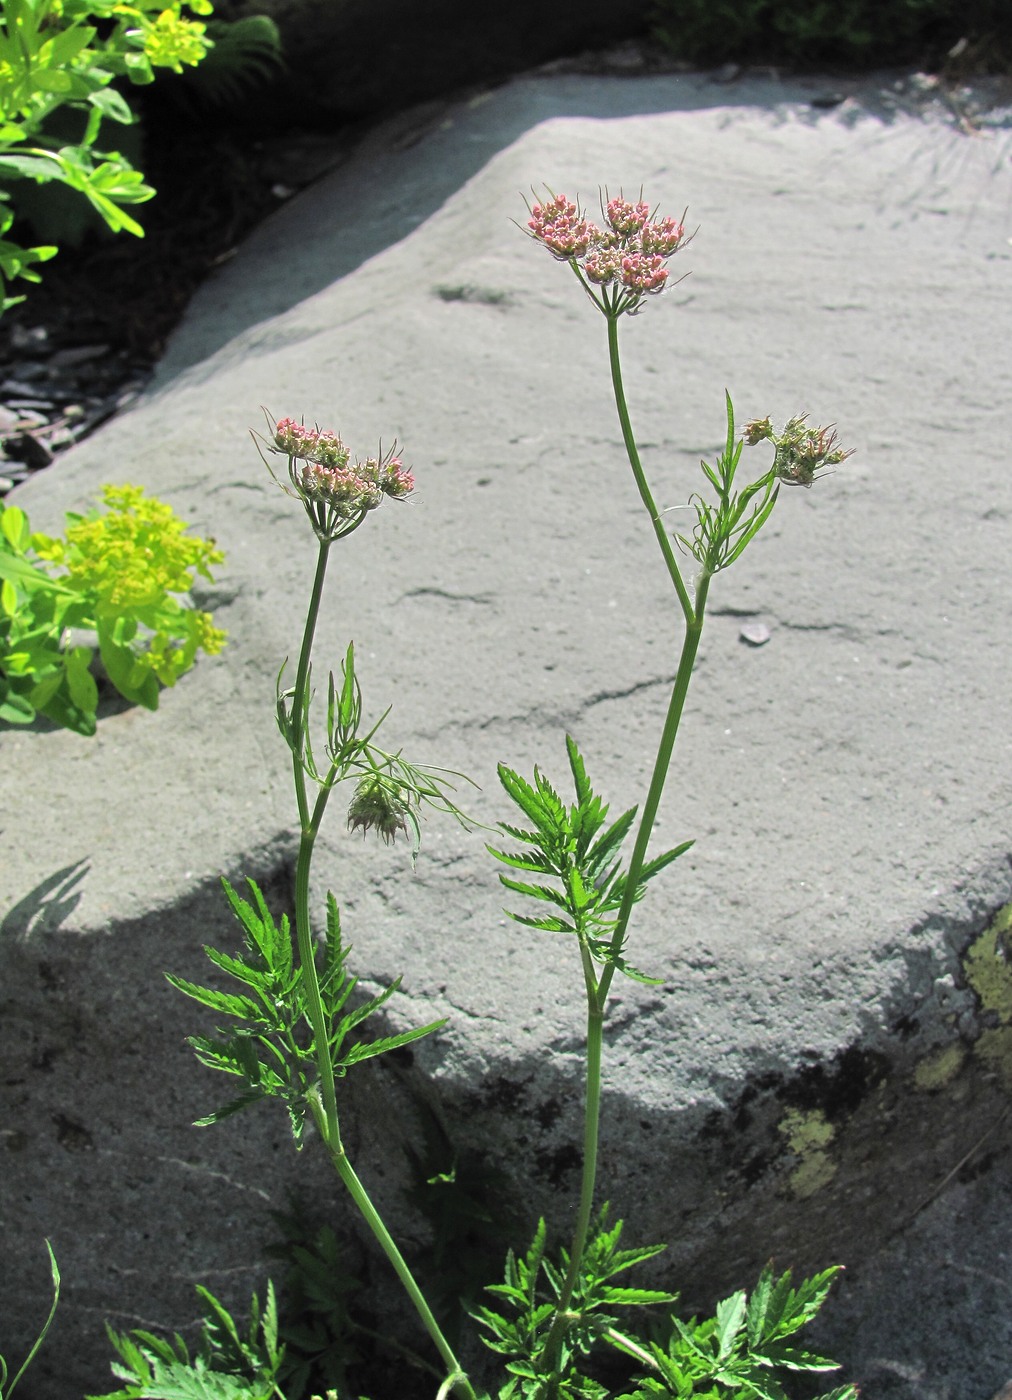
[[65, 56], [116, 574]]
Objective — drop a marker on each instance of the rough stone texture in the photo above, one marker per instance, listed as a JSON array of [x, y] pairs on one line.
[[825, 1071]]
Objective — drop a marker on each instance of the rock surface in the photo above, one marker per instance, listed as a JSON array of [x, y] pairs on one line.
[[823, 1074]]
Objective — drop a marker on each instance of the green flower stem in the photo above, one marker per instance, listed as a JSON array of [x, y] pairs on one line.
[[597, 997], [309, 827], [300, 699], [597, 993], [456, 1380], [638, 472], [591, 1134], [311, 983], [324, 1109], [662, 764]]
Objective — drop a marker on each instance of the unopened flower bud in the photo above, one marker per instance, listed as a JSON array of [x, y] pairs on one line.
[[626, 218], [563, 230], [330, 451], [602, 265], [644, 274], [295, 438], [379, 805], [758, 430]]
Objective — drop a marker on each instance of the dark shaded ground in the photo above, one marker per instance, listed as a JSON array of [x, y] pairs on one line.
[[84, 342]]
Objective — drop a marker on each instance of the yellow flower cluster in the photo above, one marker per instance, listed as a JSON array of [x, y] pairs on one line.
[[134, 554], [171, 40]]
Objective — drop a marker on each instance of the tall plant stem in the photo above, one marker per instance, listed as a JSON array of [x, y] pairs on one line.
[[591, 1134], [309, 824], [662, 763], [597, 992], [458, 1381], [325, 1111], [300, 698], [637, 469]]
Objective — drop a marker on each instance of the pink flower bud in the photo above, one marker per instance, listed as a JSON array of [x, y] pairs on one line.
[[644, 274], [294, 438], [602, 265], [561, 228], [663, 237], [626, 218]]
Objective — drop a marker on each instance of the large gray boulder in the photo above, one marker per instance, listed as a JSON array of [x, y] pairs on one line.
[[825, 1070]]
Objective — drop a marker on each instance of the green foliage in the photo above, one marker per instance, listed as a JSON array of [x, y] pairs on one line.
[[6, 1391], [226, 1365], [839, 33], [572, 846], [737, 1352], [321, 1339], [273, 1047], [529, 1296], [120, 572], [390, 791], [60, 56], [723, 531]]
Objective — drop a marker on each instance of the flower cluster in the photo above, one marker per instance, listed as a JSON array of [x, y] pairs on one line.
[[626, 257], [381, 805], [134, 554], [802, 453], [337, 492]]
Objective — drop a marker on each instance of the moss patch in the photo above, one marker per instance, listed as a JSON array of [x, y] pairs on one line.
[[989, 973], [809, 1136], [939, 1069]]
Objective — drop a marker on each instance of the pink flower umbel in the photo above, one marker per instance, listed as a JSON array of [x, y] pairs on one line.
[[337, 493], [626, 257]]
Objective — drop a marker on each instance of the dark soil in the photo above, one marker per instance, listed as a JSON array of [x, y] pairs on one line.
[[84, 342]]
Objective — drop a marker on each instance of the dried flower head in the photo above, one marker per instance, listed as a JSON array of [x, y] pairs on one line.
[[626, 257], [379, 805], [338, 493], [802, 453]]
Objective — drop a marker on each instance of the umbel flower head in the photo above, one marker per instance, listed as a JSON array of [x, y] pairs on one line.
[[802, 453], [337, 493], [625, 257]]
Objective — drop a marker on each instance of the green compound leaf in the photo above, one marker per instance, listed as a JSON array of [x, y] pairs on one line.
[[227, 1365], [574, 847], [272, 1046]]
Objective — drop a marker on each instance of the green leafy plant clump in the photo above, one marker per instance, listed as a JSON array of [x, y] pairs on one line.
[[227, 1363], [116, 574], [59, 62], [65, 66]]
